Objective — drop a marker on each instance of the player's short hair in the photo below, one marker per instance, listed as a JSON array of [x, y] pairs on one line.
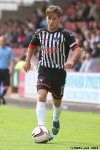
[[53, 9]]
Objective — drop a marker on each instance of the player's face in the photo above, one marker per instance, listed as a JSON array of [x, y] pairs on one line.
[[53, 22]]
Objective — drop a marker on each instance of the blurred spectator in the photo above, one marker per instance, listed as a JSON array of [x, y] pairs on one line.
[[71, 11], [80, 38], [98, 35], [94, 38], [94, 25], [39, 15], [28, 35], [95, 50], [43, 23], [21, 38], [75, 28], [14, 37], [4, 28], [89, 65], [94, 13], [9, 35], [85, 27], [17, 24], [79, 11], [96, 53], [83, 10], [41, 9], [20, 63], [28, 23], [36, 19], [87, 47], [87, 35]]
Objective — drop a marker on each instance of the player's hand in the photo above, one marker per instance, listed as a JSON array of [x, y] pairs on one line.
[[69, 64], [27, 66], [11, 70]]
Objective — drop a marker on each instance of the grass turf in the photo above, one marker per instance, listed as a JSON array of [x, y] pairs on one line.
[[79, 130]]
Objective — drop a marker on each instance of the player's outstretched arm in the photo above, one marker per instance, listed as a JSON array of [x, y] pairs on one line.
[[73, 59], [27, 64]]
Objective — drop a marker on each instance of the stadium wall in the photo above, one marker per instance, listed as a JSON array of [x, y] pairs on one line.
[[22, 12]]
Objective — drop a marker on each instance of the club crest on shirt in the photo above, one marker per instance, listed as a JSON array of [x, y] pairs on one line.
[[56, 38], [41, 79], [71, 34]]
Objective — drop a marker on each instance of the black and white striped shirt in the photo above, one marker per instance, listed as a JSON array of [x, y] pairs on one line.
[[54, 47]]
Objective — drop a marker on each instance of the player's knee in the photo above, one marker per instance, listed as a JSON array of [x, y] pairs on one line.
[[41, 98], [56, 103]]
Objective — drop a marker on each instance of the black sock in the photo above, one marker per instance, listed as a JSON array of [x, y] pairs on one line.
[[4, 92]]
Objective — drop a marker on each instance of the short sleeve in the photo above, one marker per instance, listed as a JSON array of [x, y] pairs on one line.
[[35, 41], [71, 42], [11, 55]]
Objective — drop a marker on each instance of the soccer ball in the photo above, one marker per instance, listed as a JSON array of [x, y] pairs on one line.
[[40, 134]]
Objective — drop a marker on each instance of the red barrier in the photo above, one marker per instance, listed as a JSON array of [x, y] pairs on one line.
[[21, 89]]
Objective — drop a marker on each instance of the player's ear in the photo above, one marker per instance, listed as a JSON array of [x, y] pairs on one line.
[[60, 19]]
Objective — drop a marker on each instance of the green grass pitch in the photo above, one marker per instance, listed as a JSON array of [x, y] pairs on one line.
[[79, 130]]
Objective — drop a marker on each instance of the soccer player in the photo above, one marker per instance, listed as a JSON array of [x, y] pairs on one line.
[[6, 65], [55, 44]]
